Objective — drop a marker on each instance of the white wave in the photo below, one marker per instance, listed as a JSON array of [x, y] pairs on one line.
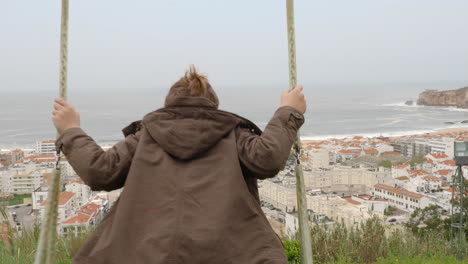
[[402, 104], [454, 109], [414, 105], [392, 122]]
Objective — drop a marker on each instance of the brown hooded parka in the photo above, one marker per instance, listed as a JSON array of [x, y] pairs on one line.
[[189, 173]]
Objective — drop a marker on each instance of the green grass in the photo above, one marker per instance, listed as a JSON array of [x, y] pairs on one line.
[[419, 260], [369, 242], [18, 199], [22, 249]]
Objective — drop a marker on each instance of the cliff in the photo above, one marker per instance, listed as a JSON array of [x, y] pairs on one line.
[[457, 98]]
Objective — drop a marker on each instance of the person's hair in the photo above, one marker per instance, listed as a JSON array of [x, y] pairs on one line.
[[197, 83]]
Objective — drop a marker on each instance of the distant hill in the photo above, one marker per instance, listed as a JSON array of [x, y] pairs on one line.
[[457, 98]]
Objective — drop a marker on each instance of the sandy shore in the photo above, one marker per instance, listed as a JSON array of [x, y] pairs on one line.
[[457, 130], [450, 130]]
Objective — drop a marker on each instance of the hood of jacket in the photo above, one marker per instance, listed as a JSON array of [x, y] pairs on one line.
[[189, 126]]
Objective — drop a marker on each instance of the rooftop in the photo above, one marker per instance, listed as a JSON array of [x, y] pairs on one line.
[[64, 197], [401, 166], [438, 155], [80, 218], [398, 191], [351, 201]]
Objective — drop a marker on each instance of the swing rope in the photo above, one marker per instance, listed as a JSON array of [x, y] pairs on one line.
[[48, 235], [46, 246], [304, 230]]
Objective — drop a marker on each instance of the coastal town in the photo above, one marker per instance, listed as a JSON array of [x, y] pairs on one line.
[[348, 180]]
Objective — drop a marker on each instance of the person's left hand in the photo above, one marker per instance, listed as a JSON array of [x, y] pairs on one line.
[[64, 115]]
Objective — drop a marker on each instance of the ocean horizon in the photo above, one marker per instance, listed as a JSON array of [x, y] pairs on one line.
[[333, 111]]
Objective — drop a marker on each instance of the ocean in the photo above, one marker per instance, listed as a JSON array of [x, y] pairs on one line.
[[334, 110]]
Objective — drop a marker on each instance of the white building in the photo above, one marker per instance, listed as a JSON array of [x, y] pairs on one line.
[[21, 181], [282, 196], [444, 145], [437, 157], [39, 195], [345, 155], [66, 169], [89, 214], [66, 207], [80, 189], [45, 147], [401, 198], [400, 170], [291, 222], [373, 204], [444, 165], [432, 183], [346, 180], [439, 199], [384, 148], [318, 158], [339, 209]]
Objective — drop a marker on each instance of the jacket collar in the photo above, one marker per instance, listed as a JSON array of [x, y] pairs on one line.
[[189, 101]]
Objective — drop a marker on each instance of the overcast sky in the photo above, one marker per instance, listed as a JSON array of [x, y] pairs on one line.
[[143, 44]]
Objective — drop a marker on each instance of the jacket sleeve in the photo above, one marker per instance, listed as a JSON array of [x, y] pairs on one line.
[[266, 155], [101, 170]]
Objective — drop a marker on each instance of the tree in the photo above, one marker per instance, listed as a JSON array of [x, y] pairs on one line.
[[390, 210], [426, 219], [385, 164], [417, 159], [292, 250]]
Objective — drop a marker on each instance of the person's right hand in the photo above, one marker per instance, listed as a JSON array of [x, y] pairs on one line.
[[294, 98]]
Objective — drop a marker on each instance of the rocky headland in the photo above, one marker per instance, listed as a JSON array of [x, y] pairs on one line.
[[457, 98]]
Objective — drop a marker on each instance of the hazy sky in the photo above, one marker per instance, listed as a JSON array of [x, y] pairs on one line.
[[144, 44]]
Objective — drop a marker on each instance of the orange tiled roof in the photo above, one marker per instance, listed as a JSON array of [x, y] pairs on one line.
[[448, 162], [64, 197], [41, 156], [80, 218], [432, 178], [78, 180], [415, 173], [443, 172], [439, 155], [402, 178], [401, 166], [398, 191], [350, 200], [371, 151], [89, 208]]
